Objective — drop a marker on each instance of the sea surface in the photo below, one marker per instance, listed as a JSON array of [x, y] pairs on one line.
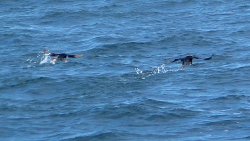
[[124, 87]]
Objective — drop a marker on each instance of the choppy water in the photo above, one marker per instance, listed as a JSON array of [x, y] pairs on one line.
[[124, 88]]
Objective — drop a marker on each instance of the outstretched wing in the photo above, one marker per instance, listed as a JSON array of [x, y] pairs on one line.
[[175, 60], [209, 58], [195, 57]]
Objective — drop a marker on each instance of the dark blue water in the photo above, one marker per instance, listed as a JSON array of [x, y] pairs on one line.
[[124, 88]]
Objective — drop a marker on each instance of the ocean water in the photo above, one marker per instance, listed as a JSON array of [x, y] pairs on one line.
[[124, 86]]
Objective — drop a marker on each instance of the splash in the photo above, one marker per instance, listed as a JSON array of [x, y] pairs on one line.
[[163, 68], [46, 59], [40, 59]]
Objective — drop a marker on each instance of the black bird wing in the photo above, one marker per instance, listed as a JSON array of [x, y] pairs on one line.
[[175, 60], [209, 58]]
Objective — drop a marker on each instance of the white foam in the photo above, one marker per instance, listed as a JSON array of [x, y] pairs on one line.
[[47, 59], [163, 68]]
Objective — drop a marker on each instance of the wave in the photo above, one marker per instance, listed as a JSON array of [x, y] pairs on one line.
[[172, 114], [112, 135], [117, 135], [183, 39], [67, 16], [121, 111], [230, 98], [97, 136], [192, 38], [24, 82], [158, 103], [54, 14], [225, 123], [147, 109], [124, 48]]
